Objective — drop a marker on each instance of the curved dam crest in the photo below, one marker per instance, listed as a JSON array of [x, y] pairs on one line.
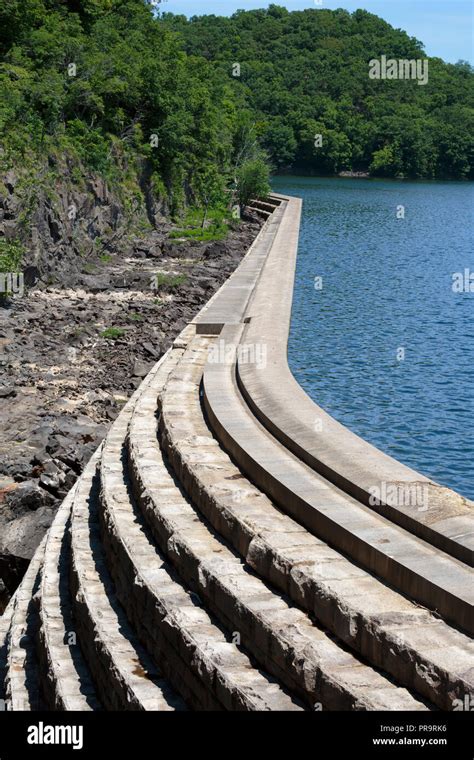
[[222, 552], [381, 334]]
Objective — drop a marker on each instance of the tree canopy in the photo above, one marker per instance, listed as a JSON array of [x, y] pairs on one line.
[[305, 73], [106, 77], [200, 98]]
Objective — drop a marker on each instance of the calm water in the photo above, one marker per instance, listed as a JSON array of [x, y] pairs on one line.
[[386, 346]]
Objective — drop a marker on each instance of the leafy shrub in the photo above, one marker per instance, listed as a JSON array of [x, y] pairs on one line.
[[11, 254], [169, 281], [252, 181], [113, 333]]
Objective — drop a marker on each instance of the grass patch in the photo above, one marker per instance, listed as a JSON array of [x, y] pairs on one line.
[[200, 235], [106, 258], [216, 225], [136, 317], [89, 269], [170, 281], [113, 333]]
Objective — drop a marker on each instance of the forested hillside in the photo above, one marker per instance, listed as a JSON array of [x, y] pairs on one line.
[[306, 73], [115, 87], [105, 81]]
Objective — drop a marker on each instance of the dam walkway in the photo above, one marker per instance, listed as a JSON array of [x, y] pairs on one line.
[[230, 546]]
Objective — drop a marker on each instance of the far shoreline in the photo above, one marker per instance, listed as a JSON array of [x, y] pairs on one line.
[[365, 176]]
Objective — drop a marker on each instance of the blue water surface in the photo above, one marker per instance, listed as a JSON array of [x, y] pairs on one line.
[[383, 342]]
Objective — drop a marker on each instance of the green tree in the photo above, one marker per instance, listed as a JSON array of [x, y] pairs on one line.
[[309, 69], [252, 181]]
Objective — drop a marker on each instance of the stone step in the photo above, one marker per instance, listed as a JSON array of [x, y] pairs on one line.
[[22, 690], [201, 660], [281, 637], [407, 563], [264, 205], [125, 677], [5, 622], [66, 680], [263, 213], [412, 644], [228, 305]]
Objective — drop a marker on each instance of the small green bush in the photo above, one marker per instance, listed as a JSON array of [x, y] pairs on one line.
[[11, 254], [113, 333], [252, 180], [201, 225], [171, 281]]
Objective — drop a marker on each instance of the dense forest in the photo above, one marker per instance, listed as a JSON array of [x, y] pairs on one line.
[[107, 83], [306, 73], [206, 103]]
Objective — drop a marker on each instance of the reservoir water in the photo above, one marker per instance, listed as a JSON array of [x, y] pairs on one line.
[[382, 333]]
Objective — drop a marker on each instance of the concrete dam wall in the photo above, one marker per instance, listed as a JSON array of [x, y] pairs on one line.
[[230, 546]]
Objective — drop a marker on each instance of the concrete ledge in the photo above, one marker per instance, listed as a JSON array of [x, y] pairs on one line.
[[282, 638], [187, 586], [5, 622], [339, 455], [124, 674], [409, 564], [216, 674], [228, 305]]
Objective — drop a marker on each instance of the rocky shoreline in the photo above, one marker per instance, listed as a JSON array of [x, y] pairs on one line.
[[71, 356]]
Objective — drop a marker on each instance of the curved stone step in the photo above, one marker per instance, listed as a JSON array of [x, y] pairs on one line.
[[281, 637], [66, 680], [201, 660], [259, 211], [267, 205], [228, 305], [418, 649], [125, 676], [5, 622], [22, 690], [407, 563], [150, 535]]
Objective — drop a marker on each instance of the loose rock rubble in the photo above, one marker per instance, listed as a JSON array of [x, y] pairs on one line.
[[62, 381]]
